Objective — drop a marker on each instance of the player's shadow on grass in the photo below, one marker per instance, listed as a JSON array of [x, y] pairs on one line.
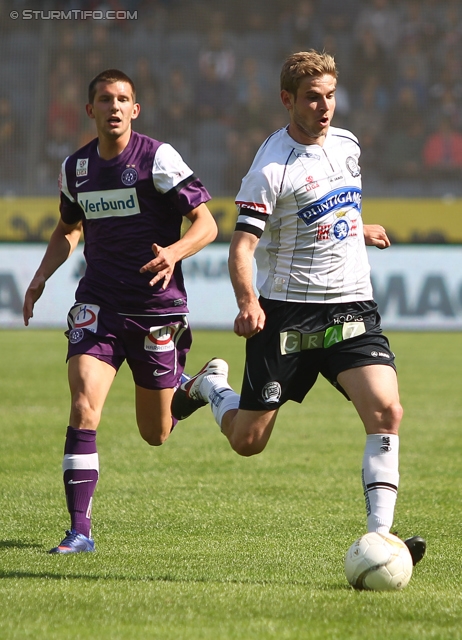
[[17, 544], [121, 578], [47, 576]]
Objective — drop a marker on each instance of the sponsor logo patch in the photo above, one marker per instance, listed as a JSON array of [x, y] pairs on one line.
[[307, 154], [380, 354], [324, 232], [110, 203], [158, 373], [160, 339], [81, 168], [343, 198], [84, 316], [347, 317], [336, 178], [312, 184], [386, 444], [294, 341]]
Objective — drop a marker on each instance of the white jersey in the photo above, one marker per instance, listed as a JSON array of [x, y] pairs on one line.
[[307, 202]]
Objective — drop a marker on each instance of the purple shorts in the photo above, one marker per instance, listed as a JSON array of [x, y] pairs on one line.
[[154, 347]]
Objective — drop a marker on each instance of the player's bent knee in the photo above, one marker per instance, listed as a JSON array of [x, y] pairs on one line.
[[250, 431], [154, 440], [248, 447], [155, 435]]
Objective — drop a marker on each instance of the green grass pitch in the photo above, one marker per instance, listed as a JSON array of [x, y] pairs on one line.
[[194, 542]]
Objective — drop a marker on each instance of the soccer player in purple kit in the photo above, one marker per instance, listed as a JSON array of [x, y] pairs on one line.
[[128, 193]]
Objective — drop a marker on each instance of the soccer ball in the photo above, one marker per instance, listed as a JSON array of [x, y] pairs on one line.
[[378, 562]]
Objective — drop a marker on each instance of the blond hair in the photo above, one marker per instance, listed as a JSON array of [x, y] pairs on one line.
[[306, 63]]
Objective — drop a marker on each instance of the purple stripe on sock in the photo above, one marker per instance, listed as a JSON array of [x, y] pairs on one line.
[[80, 441]]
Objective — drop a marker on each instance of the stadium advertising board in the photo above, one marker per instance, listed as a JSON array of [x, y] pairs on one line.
[[407, 220], [417, 287]]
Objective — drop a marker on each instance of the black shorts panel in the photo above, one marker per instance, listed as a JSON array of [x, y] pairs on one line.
[[272, 377]]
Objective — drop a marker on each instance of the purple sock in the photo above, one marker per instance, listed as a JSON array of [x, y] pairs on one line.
[[81, 469]]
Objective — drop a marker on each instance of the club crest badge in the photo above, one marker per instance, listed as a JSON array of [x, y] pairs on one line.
[[353, 166], [129, 177], [271, 392]]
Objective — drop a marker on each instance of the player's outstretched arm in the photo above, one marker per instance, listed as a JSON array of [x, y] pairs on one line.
[[376, 236], [202, 231], [62, 243], [251, 317]]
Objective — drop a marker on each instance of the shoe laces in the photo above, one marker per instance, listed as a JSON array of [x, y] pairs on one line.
[[71, 536]]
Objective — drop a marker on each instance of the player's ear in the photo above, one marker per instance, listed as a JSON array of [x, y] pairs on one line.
[[89, 110], [136, 111], [286, 98]]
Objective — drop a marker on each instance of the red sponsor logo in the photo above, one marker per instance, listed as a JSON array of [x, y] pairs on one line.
[[84, 318], [162, 337], [312, 184], [256, 206]]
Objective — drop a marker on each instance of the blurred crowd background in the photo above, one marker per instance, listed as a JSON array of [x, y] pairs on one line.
[[207, 78]]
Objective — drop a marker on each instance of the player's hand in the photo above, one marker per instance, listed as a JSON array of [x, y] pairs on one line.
[[376, 236], [33, 293], [162, 265], [250, 320]]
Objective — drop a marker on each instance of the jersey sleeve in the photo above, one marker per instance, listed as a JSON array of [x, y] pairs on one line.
[[69, 209], [174, 178], [255, 202]]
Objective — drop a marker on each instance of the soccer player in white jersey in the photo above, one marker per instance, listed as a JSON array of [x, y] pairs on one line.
[[300, 217]]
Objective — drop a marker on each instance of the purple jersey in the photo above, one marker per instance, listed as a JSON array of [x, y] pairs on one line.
[[126, 204]]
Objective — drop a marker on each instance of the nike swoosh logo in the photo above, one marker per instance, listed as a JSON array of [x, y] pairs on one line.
[[79, 184], [160, 373], [78, 481]]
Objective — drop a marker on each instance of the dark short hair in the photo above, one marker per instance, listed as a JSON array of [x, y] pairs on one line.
[[305, 63], [110, 76]]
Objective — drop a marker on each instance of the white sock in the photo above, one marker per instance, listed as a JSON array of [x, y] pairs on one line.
[[380, 478], [220, 396]]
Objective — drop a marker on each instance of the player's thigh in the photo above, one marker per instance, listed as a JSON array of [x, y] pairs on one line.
[[373, 389], [275, 371], [89, 382], [251, 430], [153, 414]]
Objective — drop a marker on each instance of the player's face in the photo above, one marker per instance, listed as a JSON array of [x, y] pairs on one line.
[[113, 109], [312, 109]]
